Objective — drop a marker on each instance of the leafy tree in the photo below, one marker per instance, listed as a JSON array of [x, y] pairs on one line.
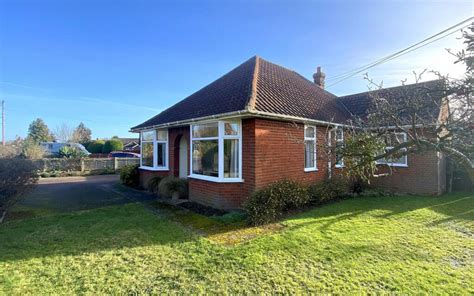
[[95, 146], [38, 131], [112, 145], [82, 134]]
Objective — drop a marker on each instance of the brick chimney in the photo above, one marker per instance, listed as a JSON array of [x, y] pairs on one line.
[[319, 78]]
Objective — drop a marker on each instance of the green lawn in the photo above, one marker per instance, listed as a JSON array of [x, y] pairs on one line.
[[389, 244]]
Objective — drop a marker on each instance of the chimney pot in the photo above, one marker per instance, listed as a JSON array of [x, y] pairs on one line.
[[319, 77]]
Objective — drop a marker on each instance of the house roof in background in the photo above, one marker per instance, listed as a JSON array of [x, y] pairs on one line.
[[429, 95], [256, 86]]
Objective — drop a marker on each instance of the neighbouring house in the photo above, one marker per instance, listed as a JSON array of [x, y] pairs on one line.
[[257, 124], [130, 144]]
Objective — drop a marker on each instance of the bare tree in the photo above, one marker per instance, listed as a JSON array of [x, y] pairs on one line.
[[435, 116], [63, 133]]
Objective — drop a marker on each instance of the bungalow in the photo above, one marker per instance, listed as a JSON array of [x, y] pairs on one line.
[[255, 125]]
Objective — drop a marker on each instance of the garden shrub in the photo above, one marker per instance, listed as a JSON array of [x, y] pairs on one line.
[[95, 146], [16, 177], [32, 150], [129, 175], [112, 145], [328, 190], [170, 184], [71, 152], [153, 184], [271, 202]]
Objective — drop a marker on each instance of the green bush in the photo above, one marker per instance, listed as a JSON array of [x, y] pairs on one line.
[[16, 177], [112, 145], [170, 185], [328, 190], [270, 203], [153, 184], [95, 146], [71, 152], [129, 175], [32, 150]]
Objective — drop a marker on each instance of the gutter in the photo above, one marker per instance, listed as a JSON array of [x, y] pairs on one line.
[[192, 120], [252, 113]]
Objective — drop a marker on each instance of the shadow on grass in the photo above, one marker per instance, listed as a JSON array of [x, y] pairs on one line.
[[91, 231]]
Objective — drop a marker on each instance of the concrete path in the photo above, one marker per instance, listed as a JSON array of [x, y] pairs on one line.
[[65, 194]]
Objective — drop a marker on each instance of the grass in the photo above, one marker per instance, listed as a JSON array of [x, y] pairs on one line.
[[388, 244]]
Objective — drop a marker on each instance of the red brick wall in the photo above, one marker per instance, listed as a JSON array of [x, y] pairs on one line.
[[420, 177], [280, 153], [274, 150]]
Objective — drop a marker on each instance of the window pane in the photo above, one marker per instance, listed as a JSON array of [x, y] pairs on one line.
[[205, 130], [231, 158], [339, 135], [147, 136], [205, 158], [161, 135], [147, 154], [231, 128], [309, 132], [161, 154], [309, 154]]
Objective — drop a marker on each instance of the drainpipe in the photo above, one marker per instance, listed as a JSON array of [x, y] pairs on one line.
[[330, 154]]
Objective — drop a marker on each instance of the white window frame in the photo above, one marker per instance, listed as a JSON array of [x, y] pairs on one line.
[[315, 167], [388, 148], [341, 140], [155, 142], [220, 147]]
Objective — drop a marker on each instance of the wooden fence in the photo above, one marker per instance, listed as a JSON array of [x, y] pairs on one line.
[[84, 164]]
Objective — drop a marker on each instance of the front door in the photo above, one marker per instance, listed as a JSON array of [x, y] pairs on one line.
[[183, 158]]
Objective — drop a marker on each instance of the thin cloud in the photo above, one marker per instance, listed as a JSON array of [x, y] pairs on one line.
[[82, 100]]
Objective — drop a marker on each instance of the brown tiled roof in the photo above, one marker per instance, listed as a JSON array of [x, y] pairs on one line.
[[256, 86], [428, 94], [285, 92], [261, 86]]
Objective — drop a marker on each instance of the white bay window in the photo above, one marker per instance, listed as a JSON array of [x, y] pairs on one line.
[[216, 151], [154, 150]]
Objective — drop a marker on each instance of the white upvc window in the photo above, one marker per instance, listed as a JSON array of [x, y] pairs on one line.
[[310, 148], [154, 150], [339, 138], [391, 141], [216, 151]]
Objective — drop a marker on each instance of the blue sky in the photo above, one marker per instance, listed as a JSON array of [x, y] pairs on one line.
[[114, 64]]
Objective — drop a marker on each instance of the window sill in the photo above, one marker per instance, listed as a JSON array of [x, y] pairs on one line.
[[216, 179], [399, 165], [311, 170], [153, 169]]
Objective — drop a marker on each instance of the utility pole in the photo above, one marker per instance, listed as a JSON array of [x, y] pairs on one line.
[[3, 122]]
